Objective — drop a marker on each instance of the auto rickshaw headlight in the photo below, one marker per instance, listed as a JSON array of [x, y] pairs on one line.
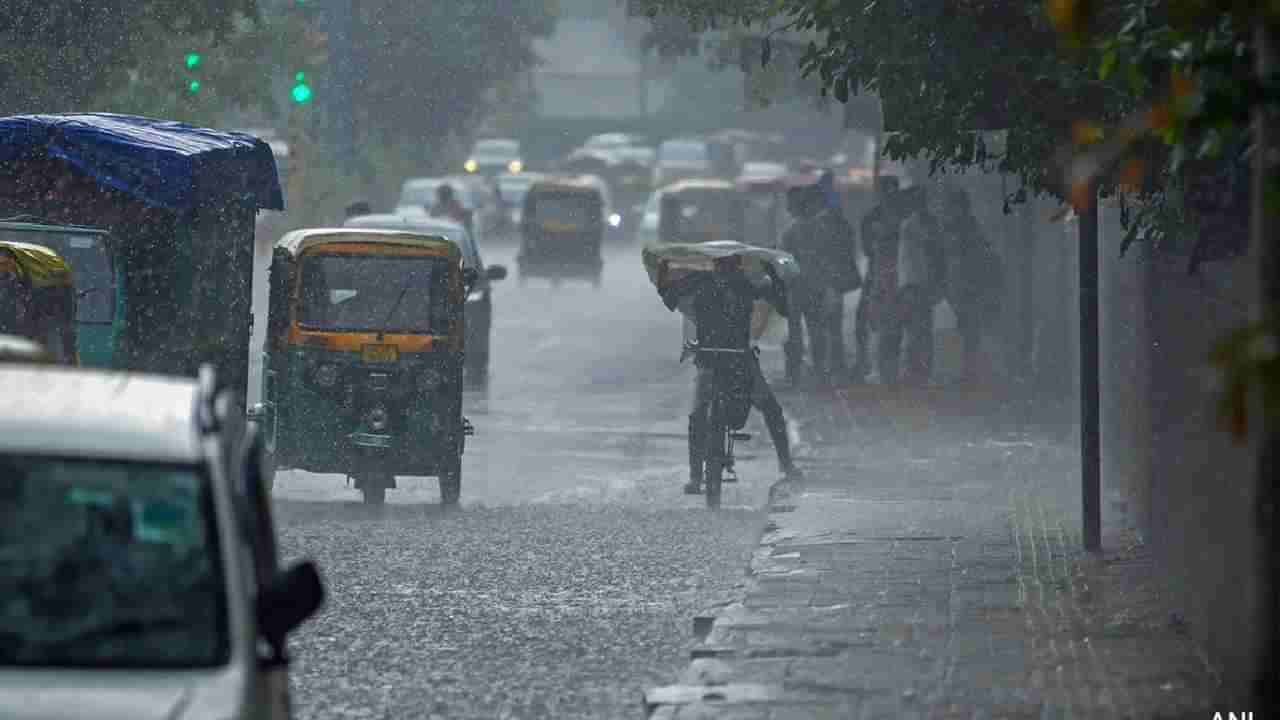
[[327, 375], [615, 220], [471, 165], [429, 380], [377, 419]]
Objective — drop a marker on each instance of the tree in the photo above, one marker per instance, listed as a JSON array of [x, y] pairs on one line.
[[60, 56]]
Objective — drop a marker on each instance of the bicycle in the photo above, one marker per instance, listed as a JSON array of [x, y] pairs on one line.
[[726, 413]]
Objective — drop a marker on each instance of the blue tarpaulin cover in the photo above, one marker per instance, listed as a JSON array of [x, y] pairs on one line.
[[168, 164]]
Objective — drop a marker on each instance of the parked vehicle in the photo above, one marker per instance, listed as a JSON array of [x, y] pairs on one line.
[[697, 211], [563, 230], [493, 156], [38, 298], [478, 309], [364, 357], [141, 573], [98, 277]]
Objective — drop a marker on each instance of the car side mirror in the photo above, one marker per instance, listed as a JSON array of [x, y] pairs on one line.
[[291, 598], [496, 272]]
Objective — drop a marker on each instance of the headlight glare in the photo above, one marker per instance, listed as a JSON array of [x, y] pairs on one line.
[[327, 375], [515, 166], [471, 165], [615, 220]]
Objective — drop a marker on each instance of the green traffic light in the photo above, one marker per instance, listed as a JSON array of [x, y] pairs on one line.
[[192, 59], [193, 87], [301, 92]]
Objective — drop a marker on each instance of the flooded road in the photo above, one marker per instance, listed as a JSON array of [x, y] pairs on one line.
[[569, 579]]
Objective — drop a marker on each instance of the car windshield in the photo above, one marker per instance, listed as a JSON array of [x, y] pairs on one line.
[[90, 263], [575, 209], [684, 151], [384, 293], [421, 193], [706, 211], [497, 148], [108, 564]]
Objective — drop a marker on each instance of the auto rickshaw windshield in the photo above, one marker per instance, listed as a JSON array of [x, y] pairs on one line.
[[90, 262], [402, 294], [576, 209]]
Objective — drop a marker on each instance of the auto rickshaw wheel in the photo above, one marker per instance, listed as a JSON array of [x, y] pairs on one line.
[[451, 480]]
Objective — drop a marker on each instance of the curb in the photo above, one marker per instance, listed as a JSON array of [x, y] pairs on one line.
[[663, 702]]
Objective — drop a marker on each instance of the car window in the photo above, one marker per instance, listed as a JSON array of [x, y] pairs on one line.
[[108, 564], [684, 151]]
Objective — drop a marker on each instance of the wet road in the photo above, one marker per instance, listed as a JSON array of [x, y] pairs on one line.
[[569, 580]]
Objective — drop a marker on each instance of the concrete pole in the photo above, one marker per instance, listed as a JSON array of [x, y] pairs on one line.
[[1090, 418]]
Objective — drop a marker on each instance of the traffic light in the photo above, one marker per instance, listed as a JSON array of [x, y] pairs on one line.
[[301, 91], [192, 61]]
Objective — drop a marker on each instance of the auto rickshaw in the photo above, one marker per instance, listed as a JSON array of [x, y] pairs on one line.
[[364, 357], [698, 211], [562, 229], [98, 277], [38, 299]]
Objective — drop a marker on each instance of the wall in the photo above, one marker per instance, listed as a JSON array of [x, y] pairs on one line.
[[1190, 488]]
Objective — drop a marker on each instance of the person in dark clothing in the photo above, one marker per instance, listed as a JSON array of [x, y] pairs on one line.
[[720, 305], [812, 239], [975, 276], [447, 206], [836, 232], [920, 271], [879, 236]]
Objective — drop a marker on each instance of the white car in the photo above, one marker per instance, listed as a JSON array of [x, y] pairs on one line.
[[492, 156], [138, 565]]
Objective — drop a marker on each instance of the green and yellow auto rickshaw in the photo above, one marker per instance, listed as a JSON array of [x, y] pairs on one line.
[[562, 228], [364, 357], [698, 211], [98, 277], [38, 299]]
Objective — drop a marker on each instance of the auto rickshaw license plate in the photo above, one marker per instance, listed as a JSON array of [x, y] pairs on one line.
[[380, 353]]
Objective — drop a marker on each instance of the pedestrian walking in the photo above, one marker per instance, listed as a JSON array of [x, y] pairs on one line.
[[837, 234], [813, 298], [920, 277], [879, 245], [975, 276]]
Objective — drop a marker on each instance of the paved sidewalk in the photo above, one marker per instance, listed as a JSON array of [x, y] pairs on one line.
[[936, 574]]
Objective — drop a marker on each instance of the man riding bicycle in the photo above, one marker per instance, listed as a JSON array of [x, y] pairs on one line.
[[720, 305]]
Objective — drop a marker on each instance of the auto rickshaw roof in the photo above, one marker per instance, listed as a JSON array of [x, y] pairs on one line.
[[162, 163], [699, 184], [70, 412], [569, 183], [42, 265], [23, 224], [299, 241]]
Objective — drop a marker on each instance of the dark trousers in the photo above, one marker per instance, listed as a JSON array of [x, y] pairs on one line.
[[862, 335], [762, 399], [912, 321], [809, 312]]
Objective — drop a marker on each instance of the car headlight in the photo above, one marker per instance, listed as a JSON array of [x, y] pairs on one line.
[[615, 219], [515, 166], [475, 296], [429, 380], [377, 419], [327, 375], [471, 165]]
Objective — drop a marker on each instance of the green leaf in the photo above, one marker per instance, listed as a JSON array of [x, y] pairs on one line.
[[1109, 59]]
